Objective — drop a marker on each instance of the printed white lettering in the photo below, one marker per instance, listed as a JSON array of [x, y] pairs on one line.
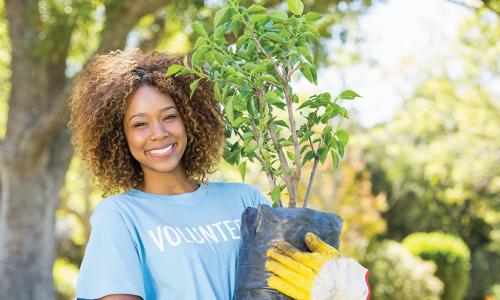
[[158, 238], [172, 242], [238, 223], [199, 240], [220, 230], [208, 233], [231, 229], [183, 236]]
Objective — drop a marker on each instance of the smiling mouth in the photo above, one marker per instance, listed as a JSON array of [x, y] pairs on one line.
[[162, 152]]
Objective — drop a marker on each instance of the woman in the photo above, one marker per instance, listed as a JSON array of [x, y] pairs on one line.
[[165, 233]]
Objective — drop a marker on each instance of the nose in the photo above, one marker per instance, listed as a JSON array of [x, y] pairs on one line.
[[159, 131]]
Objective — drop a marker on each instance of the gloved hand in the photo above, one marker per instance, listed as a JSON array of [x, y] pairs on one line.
[[321, 274]]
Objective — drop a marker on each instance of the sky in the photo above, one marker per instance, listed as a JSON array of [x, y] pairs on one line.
[[400, 36]]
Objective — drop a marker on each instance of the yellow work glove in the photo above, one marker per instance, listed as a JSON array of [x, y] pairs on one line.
[[321, 274]]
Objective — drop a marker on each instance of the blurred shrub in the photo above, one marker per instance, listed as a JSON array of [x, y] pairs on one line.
[[395, 274], [451, 256]]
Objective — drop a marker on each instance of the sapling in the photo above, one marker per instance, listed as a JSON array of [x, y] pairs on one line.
[[252, 79]]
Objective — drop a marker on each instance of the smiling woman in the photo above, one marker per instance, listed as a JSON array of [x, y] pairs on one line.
[[151, 146]]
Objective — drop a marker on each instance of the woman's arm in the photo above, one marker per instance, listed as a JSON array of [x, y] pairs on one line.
[[121, 297]]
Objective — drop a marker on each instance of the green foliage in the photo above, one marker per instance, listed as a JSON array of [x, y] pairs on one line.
[[395, 274], [65, 276], [252, 82], [451, 256], [5, 71], [485, 273]]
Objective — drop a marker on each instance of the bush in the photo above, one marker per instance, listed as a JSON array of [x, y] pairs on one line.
[[395, 274], [451, 256]]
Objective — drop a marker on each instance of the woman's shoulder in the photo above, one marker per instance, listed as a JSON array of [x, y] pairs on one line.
[[112, 202]]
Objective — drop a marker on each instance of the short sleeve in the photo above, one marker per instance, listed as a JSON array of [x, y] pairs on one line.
[[111, 263]]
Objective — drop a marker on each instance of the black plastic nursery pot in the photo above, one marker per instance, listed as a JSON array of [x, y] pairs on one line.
[[261, 228]]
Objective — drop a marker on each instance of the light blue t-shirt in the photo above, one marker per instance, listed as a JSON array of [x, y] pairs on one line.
[[166, 247]]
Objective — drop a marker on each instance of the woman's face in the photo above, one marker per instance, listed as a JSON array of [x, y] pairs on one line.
[[155, 133]]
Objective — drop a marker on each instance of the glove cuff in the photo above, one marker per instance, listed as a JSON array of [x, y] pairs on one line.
[[341, 279]]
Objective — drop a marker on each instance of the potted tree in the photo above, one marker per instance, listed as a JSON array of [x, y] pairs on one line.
[[268, 123]]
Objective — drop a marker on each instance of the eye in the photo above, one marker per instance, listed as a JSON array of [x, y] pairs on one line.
[[139, 124], [170, 117]]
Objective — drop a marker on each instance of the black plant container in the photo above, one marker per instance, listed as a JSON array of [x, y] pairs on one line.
[[261, 228]]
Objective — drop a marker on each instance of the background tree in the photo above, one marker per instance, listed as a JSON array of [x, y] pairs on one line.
[[438, 161]]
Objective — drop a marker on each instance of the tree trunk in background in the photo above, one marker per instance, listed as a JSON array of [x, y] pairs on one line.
[[30, 196], [35, 153]]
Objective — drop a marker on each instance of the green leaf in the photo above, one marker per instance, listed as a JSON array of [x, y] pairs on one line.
[[273, 96], [340, 148], [275, 194], [281, 123], [313, 16], [306, 103], [296, 7], [220, 32], [238, 121], [309, 155], [278, 15], [173, 69], [193, 86], [198, 28], [286, 143], [307, 71], [258, 69], [290, 155], [304, 51], [198, 53], [252, 107], [313, 30], [343, 136], [235, 26], [241, 40], [217, 94], [349, 95], [306, 136], [243, 169], [335, 157], [229, 109], [323, 154], [220, 16], [255, 8], [200, 41], [247, 136], [275, 37], [250, 149], [258, 18], [270, 78]]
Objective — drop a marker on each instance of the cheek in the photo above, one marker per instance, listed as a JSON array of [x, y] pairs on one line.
[[135, 140]]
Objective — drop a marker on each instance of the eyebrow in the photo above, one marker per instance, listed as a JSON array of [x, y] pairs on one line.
[[141, 114]]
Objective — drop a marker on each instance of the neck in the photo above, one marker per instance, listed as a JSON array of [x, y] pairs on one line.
[[167, 183]]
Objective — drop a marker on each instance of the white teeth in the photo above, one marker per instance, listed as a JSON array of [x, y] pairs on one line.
[[162, 151]]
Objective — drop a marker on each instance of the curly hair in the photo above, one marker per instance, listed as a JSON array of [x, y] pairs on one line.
[[98, 104]]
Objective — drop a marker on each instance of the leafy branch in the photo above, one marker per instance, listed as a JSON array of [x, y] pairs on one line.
[[252, 81]]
